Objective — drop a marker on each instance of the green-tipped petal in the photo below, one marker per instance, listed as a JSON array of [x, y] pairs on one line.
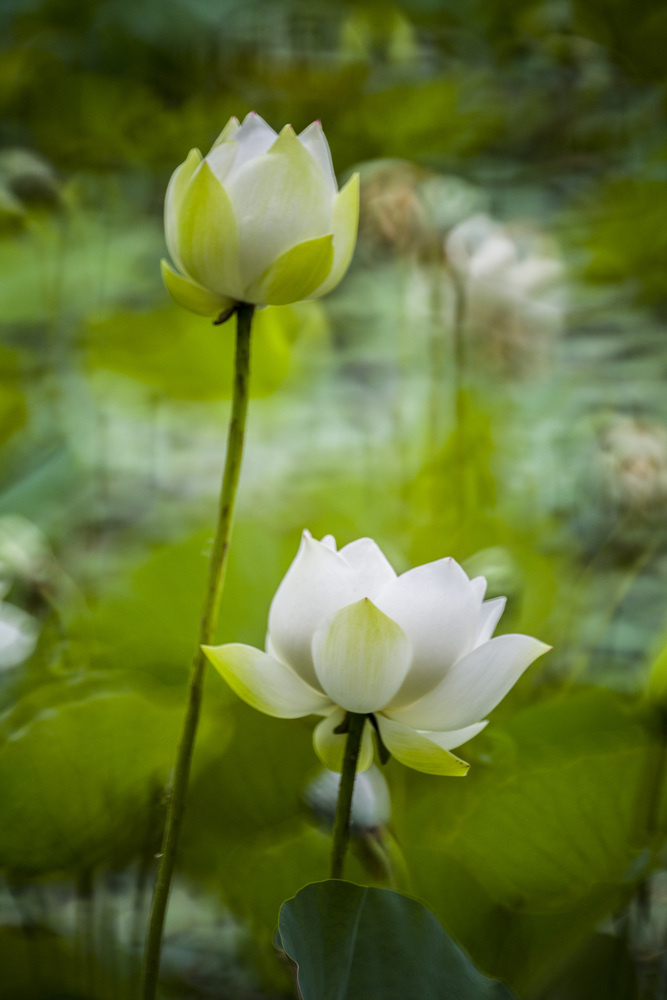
[[265, 683], [173, 198], [208, 236], [417, 751], [281, 198], [345, 221], [189, 295], [361, 657], [294, 275], [228, 132], [330, 746]]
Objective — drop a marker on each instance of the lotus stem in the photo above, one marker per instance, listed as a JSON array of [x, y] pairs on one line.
[[216, 575], [341, 836]]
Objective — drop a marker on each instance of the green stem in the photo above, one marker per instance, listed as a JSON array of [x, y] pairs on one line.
[[460, 401], [209, 618], [341, 836]]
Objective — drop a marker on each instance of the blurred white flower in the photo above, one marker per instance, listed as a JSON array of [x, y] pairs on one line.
[[18, 635], [371, 803], [24, 551], [413, 652], [512, 286]]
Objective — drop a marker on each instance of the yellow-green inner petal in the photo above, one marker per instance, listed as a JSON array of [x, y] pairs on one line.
[[189, 295], [228, 132], [361, 657], [208, 236], [330, 746], [265, 683], [415, 750], [295, 274], [345, 221], [173, 199]]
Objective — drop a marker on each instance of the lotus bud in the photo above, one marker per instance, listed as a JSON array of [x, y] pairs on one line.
[[258, 220]]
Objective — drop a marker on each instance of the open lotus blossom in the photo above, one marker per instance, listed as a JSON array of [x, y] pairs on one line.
[[258, 220], [414, 652]]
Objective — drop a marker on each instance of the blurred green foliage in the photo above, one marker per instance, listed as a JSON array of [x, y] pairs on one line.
[[527, 442]]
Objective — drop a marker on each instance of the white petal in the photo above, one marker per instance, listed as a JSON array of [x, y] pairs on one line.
[[221, 160], [361, 657], [492, 259], [474, 685], [228, 132], [18, 635], [265, 683], [173, 199], [372, 570], [330, 746], [465, 240], [455, 737], [344, 224], [419, 750], [252, 139], [330, 542], [317, 584], [280, 199], [479, 585], [438, 608], [530, 276], [314, 139], [489, 616]]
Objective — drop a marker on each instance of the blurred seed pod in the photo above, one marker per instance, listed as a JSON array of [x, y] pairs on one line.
[[632, 463], [406, 210]]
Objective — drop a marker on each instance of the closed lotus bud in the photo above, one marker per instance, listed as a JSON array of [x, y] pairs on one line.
[[18, 634], [371, 803], [259, 220]]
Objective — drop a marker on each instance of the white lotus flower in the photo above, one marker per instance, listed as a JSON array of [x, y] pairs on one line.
[[414, 652], [18, 635], [259, 220], [513, 285]]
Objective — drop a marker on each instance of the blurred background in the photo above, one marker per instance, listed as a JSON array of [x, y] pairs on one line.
[[487, 383]]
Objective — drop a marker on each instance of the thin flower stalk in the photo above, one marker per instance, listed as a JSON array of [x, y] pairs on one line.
[[210, 609]]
